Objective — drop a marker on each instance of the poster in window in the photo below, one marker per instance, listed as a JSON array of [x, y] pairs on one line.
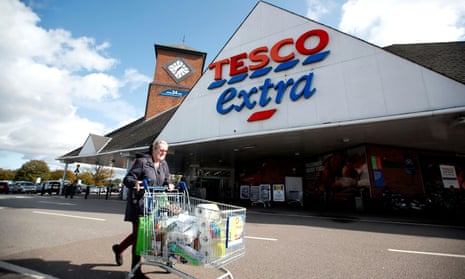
[[245, 192], [378, 178], [278, 192], [265, 192], [449, 176], [254, 193]]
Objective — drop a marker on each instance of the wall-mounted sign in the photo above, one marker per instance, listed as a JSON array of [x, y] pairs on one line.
[[254, 64], [173, 93]]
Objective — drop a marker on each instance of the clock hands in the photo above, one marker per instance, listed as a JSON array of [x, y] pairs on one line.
[[178, 69]]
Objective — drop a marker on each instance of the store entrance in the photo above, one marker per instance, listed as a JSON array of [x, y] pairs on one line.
[[215, 184], [213, 187]]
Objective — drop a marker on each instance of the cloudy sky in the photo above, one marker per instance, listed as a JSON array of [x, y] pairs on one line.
[[71, 68]]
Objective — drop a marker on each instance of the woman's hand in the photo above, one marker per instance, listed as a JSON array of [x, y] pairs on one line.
[[138, 185]]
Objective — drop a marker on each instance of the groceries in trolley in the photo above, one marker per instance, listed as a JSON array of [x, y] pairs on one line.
[[178, 228]]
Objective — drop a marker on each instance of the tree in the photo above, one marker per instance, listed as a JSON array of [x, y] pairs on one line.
[[86, 178], [100, 174], [7, 174], [117, 181], [58, 174], [33, 169]]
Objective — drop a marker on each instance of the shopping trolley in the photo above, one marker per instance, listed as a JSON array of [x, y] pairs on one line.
[[178, 229]]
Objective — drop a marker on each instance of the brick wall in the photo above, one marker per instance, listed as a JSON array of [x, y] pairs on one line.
[[162, 80]]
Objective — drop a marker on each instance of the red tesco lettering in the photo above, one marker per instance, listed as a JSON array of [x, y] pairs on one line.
[[260, 56]]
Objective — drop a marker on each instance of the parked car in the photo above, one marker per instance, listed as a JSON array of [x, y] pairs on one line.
[[96, 189], [93, 189], [6, 186], [39, 188], [115, 189], [24, 187], [12, 187], [53, 186]]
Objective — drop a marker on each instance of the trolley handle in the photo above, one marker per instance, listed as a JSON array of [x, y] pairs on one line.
[[145, 183], [158, 188], [147, 187]]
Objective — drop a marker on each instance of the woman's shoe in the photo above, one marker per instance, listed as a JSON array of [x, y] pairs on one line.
[[139, 275], [118, 257]]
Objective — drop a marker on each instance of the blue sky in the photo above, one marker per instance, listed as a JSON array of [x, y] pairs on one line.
[[70, 68]]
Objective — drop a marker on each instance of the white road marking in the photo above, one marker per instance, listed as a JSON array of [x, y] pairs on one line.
[[12, 196], [57, 203], [261, 238], [427, 253], [25, 271], [66, 215]]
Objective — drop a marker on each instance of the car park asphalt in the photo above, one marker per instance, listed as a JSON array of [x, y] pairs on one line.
[[15, 269]]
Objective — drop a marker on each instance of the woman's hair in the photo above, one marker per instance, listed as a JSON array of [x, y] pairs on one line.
[[156, 144]]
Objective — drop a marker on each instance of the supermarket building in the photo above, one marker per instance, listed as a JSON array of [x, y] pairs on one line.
[[293, 110]]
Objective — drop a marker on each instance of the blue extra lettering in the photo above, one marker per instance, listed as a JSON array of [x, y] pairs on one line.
[[264, 98], [281, 89], [226, 96], [225, 102], [306, 92], [246, 96]]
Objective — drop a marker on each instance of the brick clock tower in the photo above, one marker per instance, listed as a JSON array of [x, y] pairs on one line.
[[177, 69]]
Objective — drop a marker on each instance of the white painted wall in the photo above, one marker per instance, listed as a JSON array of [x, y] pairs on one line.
[[357, 81]]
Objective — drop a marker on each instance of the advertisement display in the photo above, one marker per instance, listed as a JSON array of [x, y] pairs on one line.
[[449, 176], [278, 193], [254, 193], [235, 230], [294, 190], [265, 192], [245, 192]]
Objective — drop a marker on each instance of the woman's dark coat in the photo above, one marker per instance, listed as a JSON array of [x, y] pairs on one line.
[[143, 167]]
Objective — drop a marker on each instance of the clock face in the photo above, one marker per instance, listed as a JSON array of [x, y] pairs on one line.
[[178, 69]]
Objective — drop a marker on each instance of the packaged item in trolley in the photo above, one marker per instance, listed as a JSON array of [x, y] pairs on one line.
[[179, 229], [212, 237], [188, 253]]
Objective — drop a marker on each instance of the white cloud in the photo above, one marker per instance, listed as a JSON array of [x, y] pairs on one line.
[[96, 86], [47, 78], [133, 79], [79, 53], [385, 22], [318, 9]]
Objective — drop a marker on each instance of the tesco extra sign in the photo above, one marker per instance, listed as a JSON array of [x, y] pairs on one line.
[[255, 63]]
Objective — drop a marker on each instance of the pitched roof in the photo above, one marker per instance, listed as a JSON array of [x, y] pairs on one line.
[[445, 58], [137, 134], [94, 144]]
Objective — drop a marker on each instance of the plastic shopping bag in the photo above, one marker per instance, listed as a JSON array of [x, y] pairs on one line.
[[144, 235]]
